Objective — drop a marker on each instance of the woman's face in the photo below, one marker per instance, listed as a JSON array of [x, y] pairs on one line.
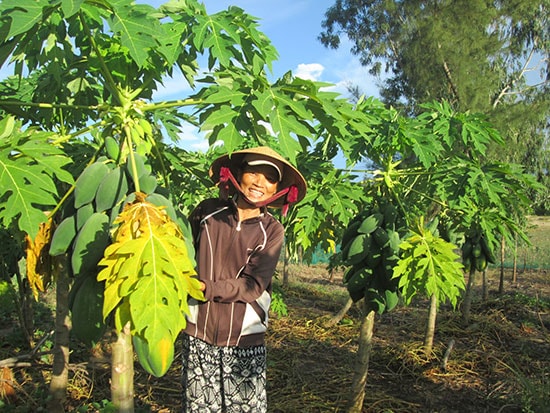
[[259, 182]]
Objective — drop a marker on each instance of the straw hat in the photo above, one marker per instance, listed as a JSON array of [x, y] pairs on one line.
[[290, 177]]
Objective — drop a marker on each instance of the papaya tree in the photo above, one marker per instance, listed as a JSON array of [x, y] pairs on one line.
[[422, 207], [469, 190], [89, 157], [375, 243]]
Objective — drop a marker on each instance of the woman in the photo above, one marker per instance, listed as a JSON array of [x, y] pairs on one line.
[[238, 244]]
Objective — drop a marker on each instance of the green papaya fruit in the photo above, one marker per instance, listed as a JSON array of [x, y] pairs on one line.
[[63, 236], [118, 208], [83, 213], [350, 232], [373, 257], [394, 240], [467, 248], [111, 191], [147, 184], [87, 311], [381, 237], [476, 249], [357, 283], [384, 274], [90, 243], [374, 301], [141, 168], [345, 251], [348, 273], [390, 215], [155, 357], [112, 148], [370, 223], [77, 283], [88, 182], [487, 250], [480, 263], [160, 200], [358, 249], [467, 262]]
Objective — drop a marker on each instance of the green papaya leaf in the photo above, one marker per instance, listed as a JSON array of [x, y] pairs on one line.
[[29, 166], [428, 266]]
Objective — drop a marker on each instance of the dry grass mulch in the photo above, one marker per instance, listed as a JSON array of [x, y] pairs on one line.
[[500, 360]]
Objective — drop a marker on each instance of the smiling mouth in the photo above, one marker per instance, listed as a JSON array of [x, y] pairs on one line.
[[255, 193]]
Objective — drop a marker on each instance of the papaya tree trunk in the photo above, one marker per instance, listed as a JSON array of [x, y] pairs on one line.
[[515, 270], [468, 296], [336, 318], [60, 373], [122, 372], [25, 306], [430, 326], [361, 368], [484, 285], [501, 281]]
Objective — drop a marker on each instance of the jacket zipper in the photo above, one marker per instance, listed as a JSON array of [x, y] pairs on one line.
[[228, 248]]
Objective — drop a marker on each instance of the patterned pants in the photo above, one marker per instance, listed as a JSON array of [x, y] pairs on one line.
[[223, 379]]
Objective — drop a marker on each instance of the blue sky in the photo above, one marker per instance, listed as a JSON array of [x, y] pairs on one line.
[[293, 27]]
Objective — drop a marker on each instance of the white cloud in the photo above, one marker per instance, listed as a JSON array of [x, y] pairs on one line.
[[344, 69], [191, 139], [341, 74], [353, 74], [309, 71], [175, 87]]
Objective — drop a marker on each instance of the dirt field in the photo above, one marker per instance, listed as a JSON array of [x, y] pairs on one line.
[[500, 361], [506, 341]]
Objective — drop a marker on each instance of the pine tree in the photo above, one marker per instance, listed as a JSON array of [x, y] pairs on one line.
[[483, 56]]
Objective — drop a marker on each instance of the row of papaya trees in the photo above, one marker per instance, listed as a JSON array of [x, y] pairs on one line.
[[95, 188]]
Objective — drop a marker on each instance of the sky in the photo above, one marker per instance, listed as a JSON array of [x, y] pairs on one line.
[[293, 27]]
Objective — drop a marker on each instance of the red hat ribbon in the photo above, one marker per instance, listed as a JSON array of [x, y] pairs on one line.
[[223, 184], [291, 197]]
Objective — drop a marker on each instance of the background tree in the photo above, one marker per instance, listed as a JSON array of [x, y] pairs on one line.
[[482, 56]]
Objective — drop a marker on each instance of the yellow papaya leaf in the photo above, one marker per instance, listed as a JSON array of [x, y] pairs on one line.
[[160, 313], [39, 261], [122, 315], [111, 296], [148, 267]]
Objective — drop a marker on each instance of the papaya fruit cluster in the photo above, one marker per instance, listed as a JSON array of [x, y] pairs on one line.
[[370, 249], [476, 252], [100, 192]]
